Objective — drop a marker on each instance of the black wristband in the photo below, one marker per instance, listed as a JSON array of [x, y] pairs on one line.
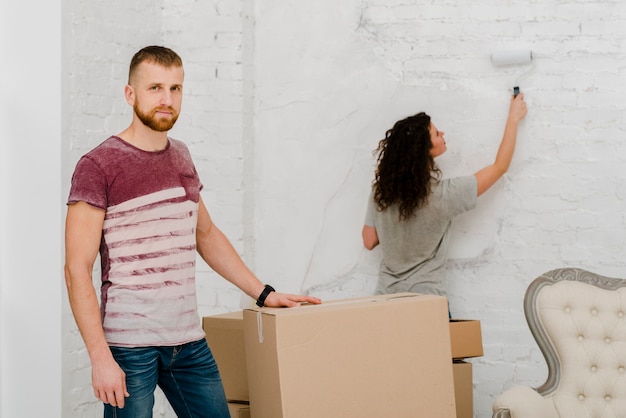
[[260, 302]]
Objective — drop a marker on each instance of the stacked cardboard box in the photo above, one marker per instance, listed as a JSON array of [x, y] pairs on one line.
[[465, 338], [376, 356], [224, 334], [463, 391], [239, 410], [466, 342]]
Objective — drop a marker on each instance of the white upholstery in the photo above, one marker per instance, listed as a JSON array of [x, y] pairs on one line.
[[578, 319], [525, 403]]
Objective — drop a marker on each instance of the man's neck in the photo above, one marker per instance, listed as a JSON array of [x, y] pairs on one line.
[[144, 138]]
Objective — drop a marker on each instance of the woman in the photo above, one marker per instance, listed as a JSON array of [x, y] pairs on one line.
[[411, 208]]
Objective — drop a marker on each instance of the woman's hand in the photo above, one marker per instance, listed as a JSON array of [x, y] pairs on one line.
[[517, 108]]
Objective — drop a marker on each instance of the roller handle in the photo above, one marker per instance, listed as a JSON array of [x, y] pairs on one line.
[[515, 91]]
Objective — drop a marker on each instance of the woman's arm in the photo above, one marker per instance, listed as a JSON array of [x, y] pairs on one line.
[[370, 237], [487, 176]]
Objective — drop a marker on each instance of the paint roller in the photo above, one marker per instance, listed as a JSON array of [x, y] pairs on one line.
[[510, 59]]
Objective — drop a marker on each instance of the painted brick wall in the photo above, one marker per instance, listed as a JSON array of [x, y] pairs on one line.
[[284, 104]]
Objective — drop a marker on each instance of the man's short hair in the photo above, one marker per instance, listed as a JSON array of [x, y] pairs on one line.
[[154, 54]]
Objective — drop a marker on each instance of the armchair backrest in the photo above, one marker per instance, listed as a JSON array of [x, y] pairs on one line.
[[578, 319]]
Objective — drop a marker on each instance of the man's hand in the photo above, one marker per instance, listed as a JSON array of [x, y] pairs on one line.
[[109, 382], [279, 300]]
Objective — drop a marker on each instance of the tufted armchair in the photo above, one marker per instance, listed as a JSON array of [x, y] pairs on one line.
[[578, 319]]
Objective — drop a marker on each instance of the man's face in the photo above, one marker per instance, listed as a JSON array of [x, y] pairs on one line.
[[158, 94]]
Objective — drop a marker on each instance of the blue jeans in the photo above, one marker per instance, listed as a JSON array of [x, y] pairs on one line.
[[187, 374]]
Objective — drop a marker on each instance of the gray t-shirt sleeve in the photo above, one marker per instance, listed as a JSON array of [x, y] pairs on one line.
[[370, 212], [460, 194]]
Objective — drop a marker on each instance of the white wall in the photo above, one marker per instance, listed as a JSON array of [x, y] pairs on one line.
[[332, 77], [283, 106], [30, 210]]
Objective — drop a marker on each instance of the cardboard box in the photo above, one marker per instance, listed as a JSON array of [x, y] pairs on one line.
[[463, 389], [238, 410], [224, 334], [465, 338], [380, 356]]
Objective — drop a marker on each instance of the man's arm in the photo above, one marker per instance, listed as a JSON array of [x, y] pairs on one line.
[[220, 255], [83, 229]]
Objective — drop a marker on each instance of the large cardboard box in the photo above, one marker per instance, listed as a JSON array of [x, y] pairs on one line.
[[238, 410], [380, 356], [463, 389], [465, 338], [224, 334]]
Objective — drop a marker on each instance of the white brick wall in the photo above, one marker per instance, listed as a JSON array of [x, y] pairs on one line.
[[284, 104]]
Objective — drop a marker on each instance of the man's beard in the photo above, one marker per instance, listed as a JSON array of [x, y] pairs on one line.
[[156, 123]]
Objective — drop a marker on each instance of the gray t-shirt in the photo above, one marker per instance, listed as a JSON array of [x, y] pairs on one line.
[[415, 250]]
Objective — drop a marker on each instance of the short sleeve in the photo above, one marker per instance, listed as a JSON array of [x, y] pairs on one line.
[[370, 212], [88, 184], [460, 194]]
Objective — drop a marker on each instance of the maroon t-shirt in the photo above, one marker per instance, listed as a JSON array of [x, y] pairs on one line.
[[148, 240]]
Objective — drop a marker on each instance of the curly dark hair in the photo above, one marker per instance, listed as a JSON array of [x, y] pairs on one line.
[[405, 166]]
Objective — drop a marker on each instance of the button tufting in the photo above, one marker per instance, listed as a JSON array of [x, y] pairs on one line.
[[581, 338], [620, 314], [594, 368], [594, 312], [607, 340], [581, 396], [607, 398], [620, 369], [567, 309]]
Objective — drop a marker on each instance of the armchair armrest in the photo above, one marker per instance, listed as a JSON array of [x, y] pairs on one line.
[[523, 402]]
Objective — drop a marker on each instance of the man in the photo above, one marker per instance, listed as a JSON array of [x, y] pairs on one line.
[[135, 199]]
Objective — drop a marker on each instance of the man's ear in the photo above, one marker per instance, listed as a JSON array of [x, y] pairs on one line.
[[129, 93]]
